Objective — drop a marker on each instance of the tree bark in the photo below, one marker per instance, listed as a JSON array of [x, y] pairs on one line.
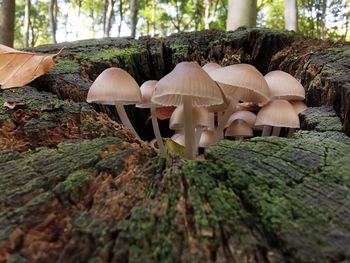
[[7, 22], [291, 15], [88, 190], [121, 15], [241, 13]]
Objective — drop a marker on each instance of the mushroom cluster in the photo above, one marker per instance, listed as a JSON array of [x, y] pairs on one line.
[[212, 102]]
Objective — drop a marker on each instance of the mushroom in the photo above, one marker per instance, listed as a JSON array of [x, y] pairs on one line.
[[284, 86], [188, 85], [207, 138], [115, 86], [147, 89], [240, 82], [201, 119], [299, 107], [239, 129], [277, 113]]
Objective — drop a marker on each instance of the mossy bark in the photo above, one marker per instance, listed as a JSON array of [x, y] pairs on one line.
[[76, 186]]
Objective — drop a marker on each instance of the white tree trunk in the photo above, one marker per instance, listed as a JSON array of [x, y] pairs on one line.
[[241, 13], [291, 15]]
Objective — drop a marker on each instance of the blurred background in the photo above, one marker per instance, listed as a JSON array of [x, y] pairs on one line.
[[34, 22]]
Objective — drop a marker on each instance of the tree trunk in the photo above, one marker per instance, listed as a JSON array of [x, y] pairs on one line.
[[53, 19], [291, 15], [77, 18], [108, 15], [241, 13], [134, 10], [77, 187], [26, 26], [121, 15], [7, 22], [207, 17], [323, 20]]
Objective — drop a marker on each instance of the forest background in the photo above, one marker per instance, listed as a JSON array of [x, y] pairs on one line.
[[37, 22]]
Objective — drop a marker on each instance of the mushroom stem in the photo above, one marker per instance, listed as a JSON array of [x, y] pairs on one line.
[[157, 131], [124, 118], [189, 129], [266, 131], [223, 120], [276, 131], [291, 132], [198, 134]]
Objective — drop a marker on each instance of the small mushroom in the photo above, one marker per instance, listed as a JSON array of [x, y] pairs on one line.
[[188, 85], [115, 86], [147, 89], [240, 82], [239, 129], [277, 113]]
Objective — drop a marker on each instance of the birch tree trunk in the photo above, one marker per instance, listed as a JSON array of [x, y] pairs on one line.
[[241, 13], [291, 15], [7, 22]]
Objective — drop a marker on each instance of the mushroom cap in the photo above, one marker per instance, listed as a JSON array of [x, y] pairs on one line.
[[179, 138], [207, 138], [187, 79], [147, 89], [298, 106], [242, 82], [114, 84], [247, 116], [201, 118], [209, 67], [284, 86], [239, 128], [278, 113]]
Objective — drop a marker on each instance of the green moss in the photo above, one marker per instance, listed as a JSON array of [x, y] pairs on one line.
[[64, 66], [179, 52], [74, 186], [341, 51]]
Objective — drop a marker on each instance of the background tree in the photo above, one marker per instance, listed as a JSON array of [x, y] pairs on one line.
[[7, 22], [107, 17], [241, 13], [134, 10], [291, 15], [53, 10], [27, 25]]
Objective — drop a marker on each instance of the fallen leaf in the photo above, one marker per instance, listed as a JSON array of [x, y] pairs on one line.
[[12, 105], [174, 148], [164, 113], [18, 68]]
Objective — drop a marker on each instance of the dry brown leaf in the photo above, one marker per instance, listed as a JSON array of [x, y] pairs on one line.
[[164, 113], [12, 105], [18, 68]]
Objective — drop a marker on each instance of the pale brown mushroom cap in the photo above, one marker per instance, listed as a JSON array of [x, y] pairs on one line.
[[247, 116], [209, 67], [179, 138], [187, 79], [239, 128], [242, 82], [298, 106], [201, 118], [278, 113], [147, 89], [284, 86], [207, 138], [114, 84]]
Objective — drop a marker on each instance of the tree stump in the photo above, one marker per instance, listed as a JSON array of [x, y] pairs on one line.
[[78, 187]]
